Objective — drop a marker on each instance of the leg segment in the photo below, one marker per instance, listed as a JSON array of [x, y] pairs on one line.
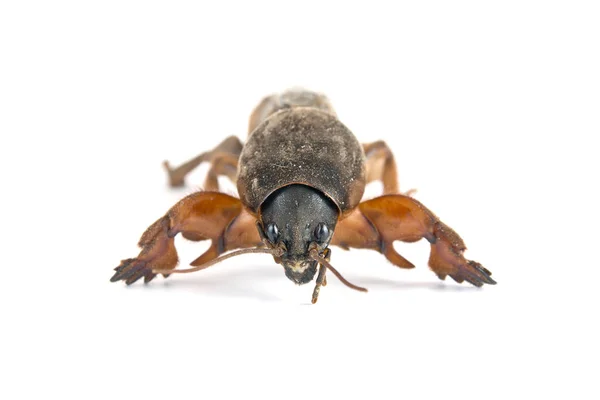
[[230, 147], [381, 165], [222, 164], [377, 223], [199, 216]]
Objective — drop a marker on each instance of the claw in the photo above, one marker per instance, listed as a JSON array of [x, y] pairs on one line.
[[474, 282], [482, 273], [119, 270], [148, 277], [132, 279], [130, 271], [474, 273]]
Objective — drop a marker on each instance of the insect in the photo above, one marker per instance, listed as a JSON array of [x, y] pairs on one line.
[[300, 176]]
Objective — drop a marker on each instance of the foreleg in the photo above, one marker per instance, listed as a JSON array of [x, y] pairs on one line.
[[200, 216], [377, 223]]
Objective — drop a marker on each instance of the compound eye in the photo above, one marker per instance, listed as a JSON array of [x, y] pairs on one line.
[[272, 233], [321, 233]]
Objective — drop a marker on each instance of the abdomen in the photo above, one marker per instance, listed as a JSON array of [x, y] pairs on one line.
[[289, 99]]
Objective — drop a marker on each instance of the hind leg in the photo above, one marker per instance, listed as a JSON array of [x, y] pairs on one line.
[[381, 165], [223, 164], [230, 147]]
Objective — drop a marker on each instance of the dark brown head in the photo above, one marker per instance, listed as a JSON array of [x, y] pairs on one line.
[[298, 218]]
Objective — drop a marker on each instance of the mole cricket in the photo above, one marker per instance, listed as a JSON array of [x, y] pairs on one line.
[[300, 177]]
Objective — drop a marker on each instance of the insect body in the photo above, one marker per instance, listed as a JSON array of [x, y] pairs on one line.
[[300, 176]]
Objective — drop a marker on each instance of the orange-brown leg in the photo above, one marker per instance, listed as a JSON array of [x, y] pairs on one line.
[[222, 164], [199, 216], [377, 223], [381, 165], [231, 147]]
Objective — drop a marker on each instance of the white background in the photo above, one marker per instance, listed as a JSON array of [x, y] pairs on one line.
[[491, 109]]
